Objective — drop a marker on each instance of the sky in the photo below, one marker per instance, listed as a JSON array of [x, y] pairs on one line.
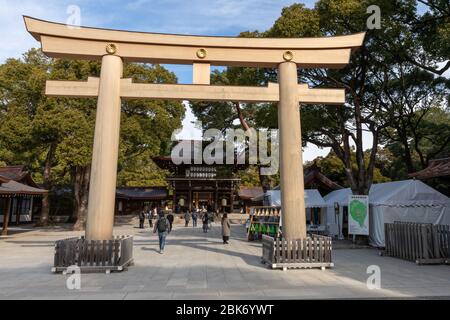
[[196, 17]]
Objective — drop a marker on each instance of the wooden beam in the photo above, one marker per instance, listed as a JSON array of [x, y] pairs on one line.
[[38, 27], [201, 73], [60, 41], [129, 90], [73, 89], [153, 53]]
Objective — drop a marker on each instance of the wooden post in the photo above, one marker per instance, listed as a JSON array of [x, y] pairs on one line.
[[18, 209], [291, 163], [174, 199], [6, 217], [190, 196], [232, 198], [102, 188], [216, 198]]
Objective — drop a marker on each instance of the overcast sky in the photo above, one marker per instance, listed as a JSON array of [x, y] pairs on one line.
[[199, 17]]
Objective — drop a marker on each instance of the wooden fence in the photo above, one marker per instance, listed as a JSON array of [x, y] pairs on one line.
[[93, 255], [314, 251], [422, 243]]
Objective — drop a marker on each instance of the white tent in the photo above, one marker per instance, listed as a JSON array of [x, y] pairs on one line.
[[333, 221], [407, 200], [313, 199]]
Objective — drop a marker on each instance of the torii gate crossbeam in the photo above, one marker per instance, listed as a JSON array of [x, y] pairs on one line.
[[114, 47]]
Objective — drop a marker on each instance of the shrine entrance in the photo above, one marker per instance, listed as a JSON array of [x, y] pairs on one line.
[[113, 47]]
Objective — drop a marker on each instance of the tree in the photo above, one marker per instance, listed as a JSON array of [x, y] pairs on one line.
[[54, 136], [371, 69], [415, 111]]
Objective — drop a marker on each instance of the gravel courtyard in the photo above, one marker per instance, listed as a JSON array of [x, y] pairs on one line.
[[198, 266]]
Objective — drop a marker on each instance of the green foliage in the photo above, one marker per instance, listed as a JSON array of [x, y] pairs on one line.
[[296, 21], [249, 177], [30, 122], [333, 168]]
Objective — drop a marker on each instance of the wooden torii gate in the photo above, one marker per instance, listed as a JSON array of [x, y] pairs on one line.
[[114, 47]]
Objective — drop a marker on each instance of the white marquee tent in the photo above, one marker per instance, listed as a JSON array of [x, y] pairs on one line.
[[407, 200], [313, 199], [313, 202]]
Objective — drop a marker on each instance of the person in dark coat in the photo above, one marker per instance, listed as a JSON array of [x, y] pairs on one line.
[[141, 219], [170, 218], [162, 227], [226, 229], [194, 218], [205, 220], [187, 218]]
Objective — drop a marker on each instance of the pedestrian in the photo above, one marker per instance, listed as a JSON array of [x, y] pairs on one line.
[[150, 218], [187, 218], [226, 228], [141, 219], [210, 218], [155, 213], [205, 220], [170, 218], [162, 226], [194, 218]]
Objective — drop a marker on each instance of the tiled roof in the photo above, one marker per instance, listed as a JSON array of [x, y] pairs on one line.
[[18, 189], [12, 172], [142, 193], [436, 168], [249, 192], [18, 174]]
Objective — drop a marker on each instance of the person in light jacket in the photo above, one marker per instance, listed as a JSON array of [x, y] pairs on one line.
[[226, 229]]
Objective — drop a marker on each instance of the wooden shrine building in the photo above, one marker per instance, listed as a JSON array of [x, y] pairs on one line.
[[131, 200], [214, 187], [18, 192]]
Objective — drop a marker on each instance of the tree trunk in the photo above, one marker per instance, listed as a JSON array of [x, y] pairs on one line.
[[47, 177], [81, 180]]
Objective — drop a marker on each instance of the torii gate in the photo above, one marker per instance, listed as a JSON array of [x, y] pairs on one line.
[[114, 47]]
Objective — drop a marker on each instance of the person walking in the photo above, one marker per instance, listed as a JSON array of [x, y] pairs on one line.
[[187, 218], [141, 219], [150, 218], [226, 228], [170, 218], [162, 226], [194, 218], [205, 220]]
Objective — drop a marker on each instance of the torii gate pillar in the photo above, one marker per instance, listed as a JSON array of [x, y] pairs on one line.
[[291, 162], [102, 188]]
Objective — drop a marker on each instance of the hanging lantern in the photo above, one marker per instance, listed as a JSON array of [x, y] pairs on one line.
[[224, 202], [181, 202]]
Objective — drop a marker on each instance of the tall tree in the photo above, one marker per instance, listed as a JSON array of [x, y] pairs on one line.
[[54, 136]]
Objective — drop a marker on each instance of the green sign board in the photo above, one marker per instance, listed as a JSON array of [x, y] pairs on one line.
[[358, 215]]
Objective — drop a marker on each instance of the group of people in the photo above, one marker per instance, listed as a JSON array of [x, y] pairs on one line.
[[153, 214], [164, 223], [205, 216]]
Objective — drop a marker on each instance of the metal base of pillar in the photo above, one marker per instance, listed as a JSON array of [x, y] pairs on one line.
[[93, 255]]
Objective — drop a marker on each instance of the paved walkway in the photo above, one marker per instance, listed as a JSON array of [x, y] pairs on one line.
[[198, 266]]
